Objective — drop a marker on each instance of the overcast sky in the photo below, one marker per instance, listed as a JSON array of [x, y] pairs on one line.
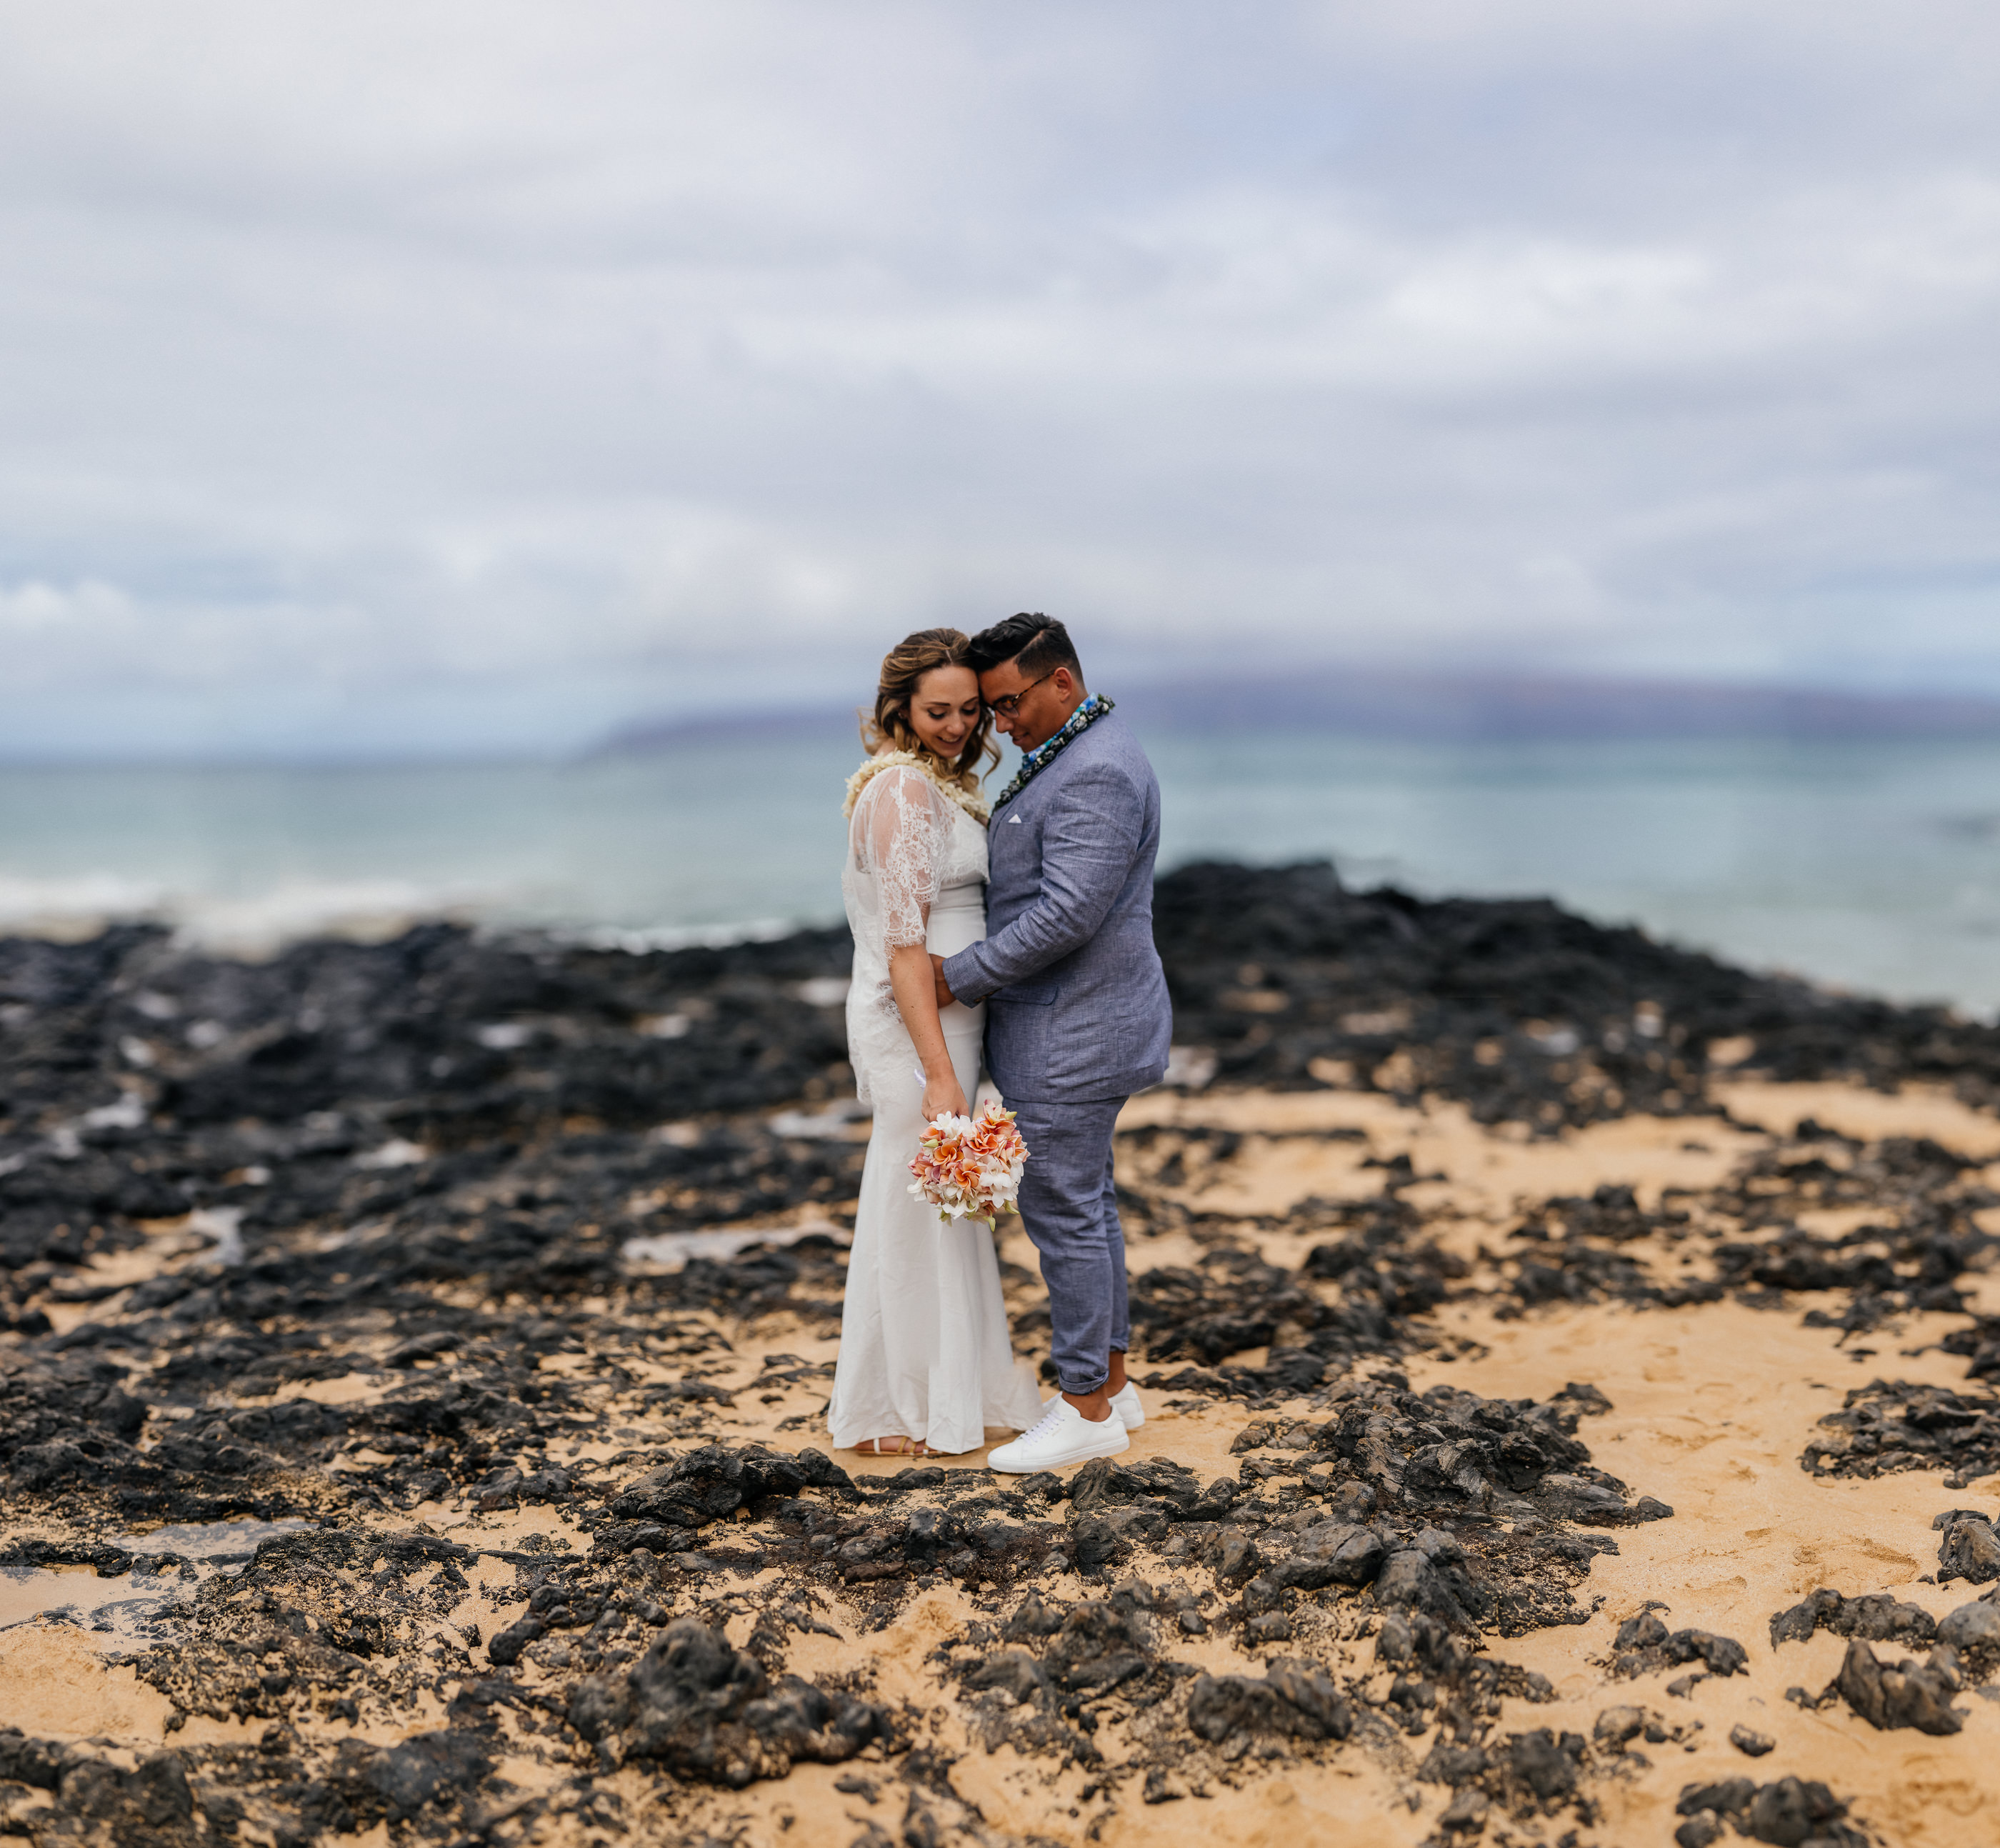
[[429, 377]]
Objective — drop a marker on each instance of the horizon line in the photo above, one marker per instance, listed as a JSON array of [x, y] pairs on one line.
[[1376, 702], [1418, 704]]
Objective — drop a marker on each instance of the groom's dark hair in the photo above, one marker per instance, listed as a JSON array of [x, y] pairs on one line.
[[1037, 644]]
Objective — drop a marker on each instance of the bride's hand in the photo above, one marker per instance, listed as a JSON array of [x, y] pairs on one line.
[[944, 1096]]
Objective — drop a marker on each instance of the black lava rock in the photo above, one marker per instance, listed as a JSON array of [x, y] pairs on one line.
[[1547, 1764], [1888, 1425], [1906, 1694], [1644, 1644], [1973, 1631], [1970, 1549], [704, 1711], [1788, 1814], [1293, 1699], [1874, 1618], [406, 1777]]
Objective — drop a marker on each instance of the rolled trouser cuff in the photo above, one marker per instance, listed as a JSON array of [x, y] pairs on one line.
[[1068, 1209]]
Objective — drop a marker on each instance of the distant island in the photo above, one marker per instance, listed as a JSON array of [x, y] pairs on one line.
[[1376, 702]]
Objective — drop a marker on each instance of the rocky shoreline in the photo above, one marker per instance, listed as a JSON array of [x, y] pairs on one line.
[[409, 1401]]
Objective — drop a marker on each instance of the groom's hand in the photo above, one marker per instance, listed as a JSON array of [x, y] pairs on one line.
[[945, 996]]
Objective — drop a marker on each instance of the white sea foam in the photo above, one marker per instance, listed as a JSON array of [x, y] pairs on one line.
[[125, 1608], [128, 1113], [224, 1224], [69, 909], [679, 937], [254, 924], [218, 1540], [834, 1123], [362, 911], [258, 924], [671, 1251], [504, 1036], [1192, 1066]]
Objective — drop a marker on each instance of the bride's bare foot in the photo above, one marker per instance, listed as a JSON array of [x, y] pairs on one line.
[[897, 1446]]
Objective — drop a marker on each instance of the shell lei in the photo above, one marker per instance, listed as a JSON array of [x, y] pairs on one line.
[[971, 1168], [974, 804]]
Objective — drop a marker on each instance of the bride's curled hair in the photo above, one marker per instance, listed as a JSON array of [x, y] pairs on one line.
[[889, 723]]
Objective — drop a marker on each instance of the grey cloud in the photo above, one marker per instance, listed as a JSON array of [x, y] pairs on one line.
[[530, 366]]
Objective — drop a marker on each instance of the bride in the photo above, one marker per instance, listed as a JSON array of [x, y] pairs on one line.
[[925, 1362]]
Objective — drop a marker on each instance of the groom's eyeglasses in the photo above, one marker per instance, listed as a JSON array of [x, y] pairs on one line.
[[1008, 704]]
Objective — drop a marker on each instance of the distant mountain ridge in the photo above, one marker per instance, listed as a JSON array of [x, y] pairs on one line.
[[1523, 707], [1380, 703]]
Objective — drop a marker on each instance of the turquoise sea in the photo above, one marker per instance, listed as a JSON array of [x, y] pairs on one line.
[[1872, 865]]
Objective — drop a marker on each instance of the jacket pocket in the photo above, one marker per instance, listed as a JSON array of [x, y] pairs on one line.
[[1033, 994]]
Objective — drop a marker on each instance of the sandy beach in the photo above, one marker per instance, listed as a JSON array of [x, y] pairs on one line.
[[1509, 1474]]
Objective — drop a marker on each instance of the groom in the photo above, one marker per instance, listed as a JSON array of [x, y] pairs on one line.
[[1077, 1017]]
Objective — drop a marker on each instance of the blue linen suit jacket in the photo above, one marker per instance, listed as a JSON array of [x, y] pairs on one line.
[[1077, 1005]]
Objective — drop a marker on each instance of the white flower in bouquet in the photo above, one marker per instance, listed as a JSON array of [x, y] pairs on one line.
[[970, 1167]]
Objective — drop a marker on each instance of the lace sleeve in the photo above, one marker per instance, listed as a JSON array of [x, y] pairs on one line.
[[902, 830]]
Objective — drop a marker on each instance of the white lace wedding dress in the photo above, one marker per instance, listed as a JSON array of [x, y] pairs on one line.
[[924, 1351]]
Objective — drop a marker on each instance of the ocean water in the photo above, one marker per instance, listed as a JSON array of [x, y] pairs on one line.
[[1872, 865]]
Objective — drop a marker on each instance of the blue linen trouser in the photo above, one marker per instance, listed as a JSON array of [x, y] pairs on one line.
[[1069, 1208]]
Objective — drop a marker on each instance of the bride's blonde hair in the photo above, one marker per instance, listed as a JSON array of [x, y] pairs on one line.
[[889, 723]]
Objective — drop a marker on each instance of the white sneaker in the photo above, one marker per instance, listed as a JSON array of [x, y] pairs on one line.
[[1061, 1435], [1125, 1402]]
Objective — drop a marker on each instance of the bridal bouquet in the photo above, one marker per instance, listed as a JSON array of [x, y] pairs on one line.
[[970, 1167]]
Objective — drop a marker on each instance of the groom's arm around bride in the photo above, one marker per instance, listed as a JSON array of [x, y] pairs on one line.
[[1077, 1017]]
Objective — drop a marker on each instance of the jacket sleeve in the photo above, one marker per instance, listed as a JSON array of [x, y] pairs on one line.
[[1090, 837]]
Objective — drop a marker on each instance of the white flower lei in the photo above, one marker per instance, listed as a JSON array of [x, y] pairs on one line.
[[974, 804]]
